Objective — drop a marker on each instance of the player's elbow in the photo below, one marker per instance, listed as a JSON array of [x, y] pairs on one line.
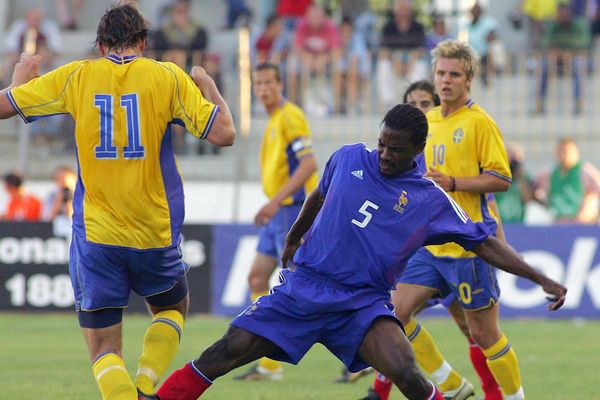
[[223, 135], [503, 186]]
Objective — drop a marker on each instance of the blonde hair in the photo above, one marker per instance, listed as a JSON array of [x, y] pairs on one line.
[[455, 49]]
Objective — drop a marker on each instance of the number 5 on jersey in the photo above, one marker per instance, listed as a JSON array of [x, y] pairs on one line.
[[367, 214], [107, 149]]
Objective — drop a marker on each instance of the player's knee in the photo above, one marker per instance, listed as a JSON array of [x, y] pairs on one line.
[[258, 282]]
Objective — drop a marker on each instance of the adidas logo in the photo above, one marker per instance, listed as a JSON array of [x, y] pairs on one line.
[[358, 173]]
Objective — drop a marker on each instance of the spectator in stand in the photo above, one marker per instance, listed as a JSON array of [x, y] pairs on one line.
[[68, 13], [572, 189], [565, 43], [512, 203], [482, 32], [401, 53], [316, 48], [22, 206], [538, 14], [184, 41], [180, 39], [266, 45], [354, 67], [60, 201], [365, 20], [438, 32], [236, 10], [36, 24]]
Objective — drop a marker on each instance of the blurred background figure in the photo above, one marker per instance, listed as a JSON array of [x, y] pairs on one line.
[[21, 206], [46, 32], [266, 48], [237, 10], [482, 31], [354, 67], [68, 13], [180, 39], [512, 204], [565, 42], [571, 190], [316, 49], [401, 54], [59, 201]]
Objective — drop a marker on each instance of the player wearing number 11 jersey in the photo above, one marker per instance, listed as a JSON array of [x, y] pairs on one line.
[[128, 202]]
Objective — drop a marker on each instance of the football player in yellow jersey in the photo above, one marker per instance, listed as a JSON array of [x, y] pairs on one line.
[[465, 155], [289, 174], [128, 201]]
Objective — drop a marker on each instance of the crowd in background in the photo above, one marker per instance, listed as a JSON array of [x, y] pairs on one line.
[[348, 57]]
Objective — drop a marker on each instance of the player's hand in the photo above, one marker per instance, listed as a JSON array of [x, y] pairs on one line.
[[26, 69], [441, 179], [201, 78], [266, 212], [287, 254], [557, 292]]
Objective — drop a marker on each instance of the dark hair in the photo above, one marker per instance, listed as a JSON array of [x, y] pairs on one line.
[[121, 27], [267, 66], [425, 86], [272, 18], [404, 117], [13, 179]]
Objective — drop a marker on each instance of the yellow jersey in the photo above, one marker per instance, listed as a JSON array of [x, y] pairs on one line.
[[466, 143], [286, 139], [129, 191]]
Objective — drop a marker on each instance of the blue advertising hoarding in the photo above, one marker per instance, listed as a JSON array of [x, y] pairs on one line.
[[568, 254]]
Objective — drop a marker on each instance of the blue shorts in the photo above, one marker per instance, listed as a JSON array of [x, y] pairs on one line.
[[103, 276], [471, 280], [307, 308], [272, 236]]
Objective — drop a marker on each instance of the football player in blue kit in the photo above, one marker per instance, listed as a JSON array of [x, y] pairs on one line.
[[371, 211]]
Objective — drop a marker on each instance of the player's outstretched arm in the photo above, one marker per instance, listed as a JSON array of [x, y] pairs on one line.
[[310, 209], [222, 132], [25, 70], [504, 257]]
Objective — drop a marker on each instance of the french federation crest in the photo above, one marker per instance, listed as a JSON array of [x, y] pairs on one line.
[[402, 203], [458, 135]]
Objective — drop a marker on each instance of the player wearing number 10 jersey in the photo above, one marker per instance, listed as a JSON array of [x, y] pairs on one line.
[[128, 202]]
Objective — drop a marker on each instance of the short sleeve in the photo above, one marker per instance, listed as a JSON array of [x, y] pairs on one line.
[[328, 173], [190, 108]]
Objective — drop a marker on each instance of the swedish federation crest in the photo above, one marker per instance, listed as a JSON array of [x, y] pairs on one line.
[[402, 203], [458, 135]]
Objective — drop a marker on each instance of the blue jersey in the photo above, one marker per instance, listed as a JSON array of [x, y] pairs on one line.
[[370, 224]]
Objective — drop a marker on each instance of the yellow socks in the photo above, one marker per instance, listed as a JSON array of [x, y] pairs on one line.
[[161, 343], [112, 378], [504, 365], [430, 359], [256, 295], [268, 365]]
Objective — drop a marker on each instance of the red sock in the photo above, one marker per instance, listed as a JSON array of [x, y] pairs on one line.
[[382, 386], [435, 394], [488, 383], [186, 383]]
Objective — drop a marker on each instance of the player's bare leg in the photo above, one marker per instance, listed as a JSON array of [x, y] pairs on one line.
[[386, 348], [501, 358], [238, 347]]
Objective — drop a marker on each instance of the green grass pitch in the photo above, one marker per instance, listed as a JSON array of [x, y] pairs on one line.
[[43, 356]]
